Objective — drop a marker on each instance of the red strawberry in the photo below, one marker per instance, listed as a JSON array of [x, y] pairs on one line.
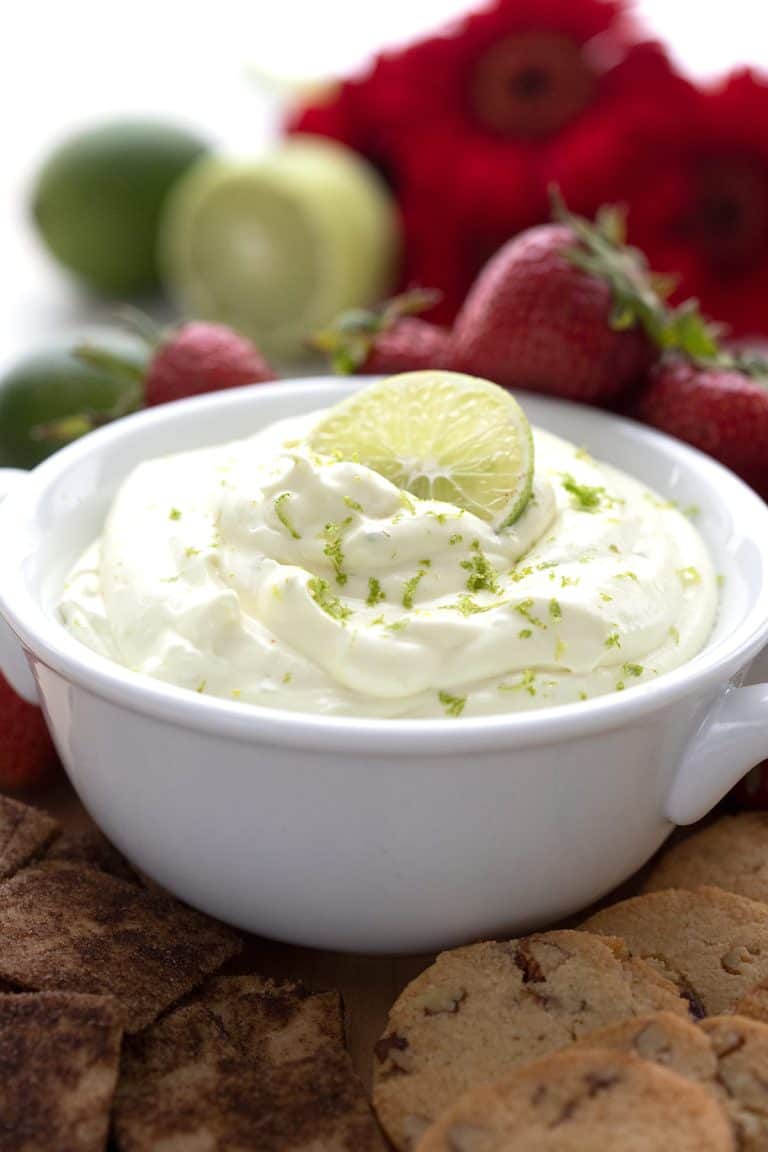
[[719, 408], [27, 755], [387, 339], [197, 358], [408, 345], [186, 361], [568, 309]]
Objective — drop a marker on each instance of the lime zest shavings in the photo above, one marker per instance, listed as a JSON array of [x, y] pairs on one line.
[[283, 516], [453, 705]]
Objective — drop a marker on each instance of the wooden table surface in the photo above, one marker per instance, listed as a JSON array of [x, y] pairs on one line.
[[368, 984]]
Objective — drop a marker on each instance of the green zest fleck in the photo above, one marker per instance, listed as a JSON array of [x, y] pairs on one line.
[[469, 607], [287, 678], [410, 586], [456, 538], [353, 504], [674, 635], [626, 576], [174, 514], [375, 594], [614, 548], [567, 581], [191, 551], [398, 625], [689, 576], [555, 610], [583, 496], [620, 686], [633, 669], [518, 574], [320, 592], [333, 550], [524, 610], [526, 683], [282, 515], [201, 686], [482, 574], [691, 511], [605, 596], [524, 634], [378, 620], [613, 640], [453, 705], [583, 696], [560, 649], [441, 517]]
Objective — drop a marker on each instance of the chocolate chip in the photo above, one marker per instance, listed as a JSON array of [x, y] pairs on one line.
[[598, 1082], [528, 964], [695, 1006], [383, 1048]]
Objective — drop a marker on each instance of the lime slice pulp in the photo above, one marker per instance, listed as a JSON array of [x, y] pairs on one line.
[[440, 436]]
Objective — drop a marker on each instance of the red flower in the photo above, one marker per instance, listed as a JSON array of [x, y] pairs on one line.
[[470, 125], [699, 202]]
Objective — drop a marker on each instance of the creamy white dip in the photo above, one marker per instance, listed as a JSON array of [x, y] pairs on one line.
[[258, 572]]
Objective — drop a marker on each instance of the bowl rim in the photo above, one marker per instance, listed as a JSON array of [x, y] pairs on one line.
[[51, 645]]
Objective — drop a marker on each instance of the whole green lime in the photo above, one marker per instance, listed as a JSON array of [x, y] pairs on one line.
[[42, 394], [98, 200]]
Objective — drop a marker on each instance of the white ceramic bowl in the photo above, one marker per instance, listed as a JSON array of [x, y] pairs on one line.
[[381, 835]]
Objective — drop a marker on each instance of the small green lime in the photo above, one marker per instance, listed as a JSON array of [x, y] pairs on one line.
[[52, 385], [98, 200]]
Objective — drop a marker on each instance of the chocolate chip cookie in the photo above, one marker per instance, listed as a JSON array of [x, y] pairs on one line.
[[479, 1011], [578, 1100], [672, 1041], [712, 944], [731, 854], [728, 1055], [740, 1047]]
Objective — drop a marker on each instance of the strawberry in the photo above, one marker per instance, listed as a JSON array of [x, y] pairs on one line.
[[197, 358], [719, 407], [189, 360], [566, 308], [387, 339], [27, 755]]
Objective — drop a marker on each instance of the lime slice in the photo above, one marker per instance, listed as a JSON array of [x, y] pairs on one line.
[[440, 436], [279, 247]]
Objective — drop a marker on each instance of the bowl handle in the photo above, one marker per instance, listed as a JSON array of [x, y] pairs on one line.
[[13, 662], [732, 739]]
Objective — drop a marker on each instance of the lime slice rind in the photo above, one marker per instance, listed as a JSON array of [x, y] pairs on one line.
[[439, 435]]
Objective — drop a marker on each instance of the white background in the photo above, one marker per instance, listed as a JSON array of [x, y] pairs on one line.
[[219, 65]]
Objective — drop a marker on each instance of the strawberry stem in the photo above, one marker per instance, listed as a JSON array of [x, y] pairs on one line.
[[349, 340], [639, 296]]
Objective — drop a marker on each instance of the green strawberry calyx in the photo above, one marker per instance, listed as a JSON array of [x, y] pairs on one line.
[[350, 339], [639, 295]]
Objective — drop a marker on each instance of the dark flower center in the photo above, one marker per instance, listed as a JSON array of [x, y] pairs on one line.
[[531, 85], [730, 219]]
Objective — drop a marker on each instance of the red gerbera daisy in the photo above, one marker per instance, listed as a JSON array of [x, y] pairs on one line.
[[699, 202], [470, 125]]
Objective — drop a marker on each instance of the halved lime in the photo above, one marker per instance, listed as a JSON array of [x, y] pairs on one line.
[[441, 436], [277, 248]]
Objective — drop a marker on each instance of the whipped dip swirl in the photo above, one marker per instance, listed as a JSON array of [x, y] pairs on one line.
[[258, 572]]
